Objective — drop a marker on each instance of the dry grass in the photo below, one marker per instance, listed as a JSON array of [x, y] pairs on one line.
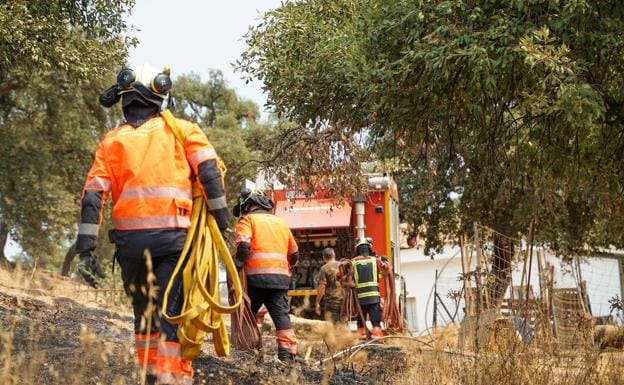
[[509, 361], [53, 331], [36, 362]]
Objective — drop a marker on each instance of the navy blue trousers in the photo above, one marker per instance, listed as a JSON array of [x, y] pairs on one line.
[[134, 276], [372, 310], [276, 302]]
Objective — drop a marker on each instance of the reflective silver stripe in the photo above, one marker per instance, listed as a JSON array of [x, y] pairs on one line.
[[174, 379], [98, 183], [155, 192], [88, 229], [167, 221], [169, 351], [262, 255], [202, 155], [243, 238], [286, 340], [217, 203], [267, 270]]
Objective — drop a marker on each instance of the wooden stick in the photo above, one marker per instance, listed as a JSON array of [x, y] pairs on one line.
[[528, 286], [466, 278]]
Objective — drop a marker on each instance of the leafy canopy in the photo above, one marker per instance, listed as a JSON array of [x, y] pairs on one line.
[[230, 123], [55, 58], [488, 111]]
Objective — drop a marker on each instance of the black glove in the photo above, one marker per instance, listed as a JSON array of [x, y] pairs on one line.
[[225, 233], [239, 264], [111, 96], [223, 218], [90, 269], [294, 258]]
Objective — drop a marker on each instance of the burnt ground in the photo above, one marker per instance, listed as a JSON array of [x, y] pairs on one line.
[[243, 369], [51, 339], [65, 342]]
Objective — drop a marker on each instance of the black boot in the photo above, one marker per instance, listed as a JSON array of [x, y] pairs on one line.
[[151, 379], [284, 356], [287, 358]]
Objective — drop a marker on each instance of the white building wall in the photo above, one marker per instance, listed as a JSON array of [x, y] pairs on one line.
[[419, 273], [603, 283], [601, 274]]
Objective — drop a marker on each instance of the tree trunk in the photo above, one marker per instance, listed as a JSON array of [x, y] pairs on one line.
[[4, 237], [501, 269], [69, 257]]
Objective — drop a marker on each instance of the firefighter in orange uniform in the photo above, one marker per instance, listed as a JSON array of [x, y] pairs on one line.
[[148, 173], [267, 249]]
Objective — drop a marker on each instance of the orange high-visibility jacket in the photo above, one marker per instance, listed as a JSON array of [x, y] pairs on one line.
[[148, 172], [272, 246]]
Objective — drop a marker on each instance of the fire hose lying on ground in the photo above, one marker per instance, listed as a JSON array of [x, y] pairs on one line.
[[202, 311]]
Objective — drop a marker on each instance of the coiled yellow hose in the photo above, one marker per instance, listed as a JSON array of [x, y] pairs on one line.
[[202, 311]]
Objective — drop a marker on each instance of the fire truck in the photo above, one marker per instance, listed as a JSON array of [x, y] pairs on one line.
[[318, 222]]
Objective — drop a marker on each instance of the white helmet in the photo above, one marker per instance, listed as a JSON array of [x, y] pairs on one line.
[[151, 84]]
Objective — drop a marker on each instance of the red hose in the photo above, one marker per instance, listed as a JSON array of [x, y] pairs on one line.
[[244, 331], [391, 313], [350, 308]]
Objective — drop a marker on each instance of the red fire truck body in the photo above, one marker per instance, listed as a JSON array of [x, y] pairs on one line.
[[319, 222]]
